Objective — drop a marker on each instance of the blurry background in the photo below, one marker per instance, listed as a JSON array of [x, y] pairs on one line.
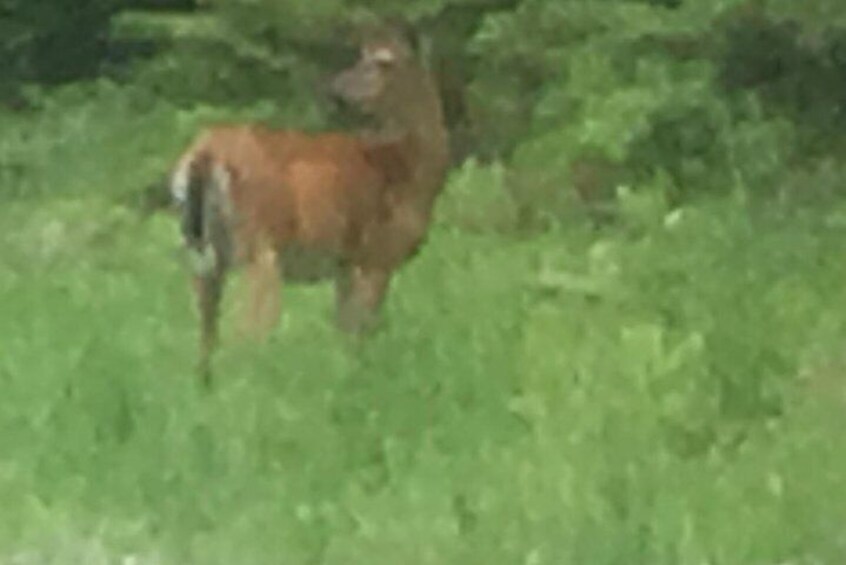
[[622, 344]]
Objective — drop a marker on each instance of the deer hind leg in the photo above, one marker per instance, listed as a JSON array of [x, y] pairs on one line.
[[262, 306], [209, 289], [359, 294]]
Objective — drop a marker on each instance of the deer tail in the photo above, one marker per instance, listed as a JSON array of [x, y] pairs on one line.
[[200, 187]]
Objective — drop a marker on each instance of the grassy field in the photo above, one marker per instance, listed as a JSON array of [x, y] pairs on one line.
[[668, 390]]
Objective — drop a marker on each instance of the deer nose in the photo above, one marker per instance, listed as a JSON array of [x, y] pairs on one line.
[[357, 85]]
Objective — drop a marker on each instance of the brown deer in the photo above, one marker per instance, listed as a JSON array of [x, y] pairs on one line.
[[306, 207]]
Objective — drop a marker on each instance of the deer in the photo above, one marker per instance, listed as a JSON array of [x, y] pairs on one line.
[[295, 206]]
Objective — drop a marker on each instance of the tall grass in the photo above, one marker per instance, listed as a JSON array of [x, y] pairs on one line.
[[657, 392]]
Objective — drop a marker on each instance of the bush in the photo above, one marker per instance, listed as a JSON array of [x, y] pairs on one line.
[[53, 40]]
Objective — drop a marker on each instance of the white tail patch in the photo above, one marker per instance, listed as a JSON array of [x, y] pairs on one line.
[[179, 181], [217, 211]]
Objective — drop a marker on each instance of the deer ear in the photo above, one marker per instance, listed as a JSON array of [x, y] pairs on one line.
[[383, 55]]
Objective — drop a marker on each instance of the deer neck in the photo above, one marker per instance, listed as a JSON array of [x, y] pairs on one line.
[[420, 136]]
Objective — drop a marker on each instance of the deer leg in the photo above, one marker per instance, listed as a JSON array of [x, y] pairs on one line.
[[359, 294], [209, 289], [263, 304]]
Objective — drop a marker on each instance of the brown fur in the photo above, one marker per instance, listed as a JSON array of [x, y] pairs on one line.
[[311, 206]]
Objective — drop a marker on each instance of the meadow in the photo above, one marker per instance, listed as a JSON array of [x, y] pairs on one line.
[[664, 389]]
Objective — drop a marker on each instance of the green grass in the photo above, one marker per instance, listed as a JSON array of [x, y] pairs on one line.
[[644, 394]]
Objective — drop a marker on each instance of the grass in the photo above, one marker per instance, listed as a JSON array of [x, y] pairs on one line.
[[657, 393]]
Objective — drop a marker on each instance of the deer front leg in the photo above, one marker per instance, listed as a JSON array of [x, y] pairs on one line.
[[262, 308], [359, 294]]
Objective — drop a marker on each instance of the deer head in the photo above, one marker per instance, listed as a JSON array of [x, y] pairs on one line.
[[388, 81]]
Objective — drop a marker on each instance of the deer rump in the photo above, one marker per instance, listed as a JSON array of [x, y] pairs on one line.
[[320, 201]]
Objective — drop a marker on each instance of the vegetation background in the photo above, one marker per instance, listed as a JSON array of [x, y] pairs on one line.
[[623, 343]]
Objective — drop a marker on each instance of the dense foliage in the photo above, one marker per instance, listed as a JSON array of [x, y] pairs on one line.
[[621, 344], [580, 96]]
